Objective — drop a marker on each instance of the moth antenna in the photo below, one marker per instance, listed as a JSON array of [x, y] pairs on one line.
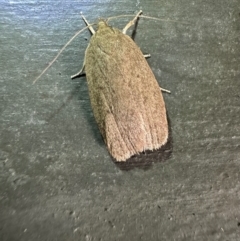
[[70, 40], [162, 19], [148, 17]]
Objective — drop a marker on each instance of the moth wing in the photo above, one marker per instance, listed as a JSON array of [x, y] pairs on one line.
[[126, 99]]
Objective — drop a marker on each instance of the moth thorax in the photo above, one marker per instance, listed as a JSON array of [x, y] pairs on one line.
[[102, 24]]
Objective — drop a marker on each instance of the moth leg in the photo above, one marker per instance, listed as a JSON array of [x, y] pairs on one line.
[[132, 22], [164, 90], [92, 32], [89, 26], [81, 72]]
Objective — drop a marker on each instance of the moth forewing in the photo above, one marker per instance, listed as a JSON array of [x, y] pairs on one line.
[[126, 99]]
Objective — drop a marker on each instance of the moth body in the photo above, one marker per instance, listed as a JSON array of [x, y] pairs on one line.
[[125, 97]]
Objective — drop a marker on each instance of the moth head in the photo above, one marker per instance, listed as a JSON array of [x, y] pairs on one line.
[[102, 23]]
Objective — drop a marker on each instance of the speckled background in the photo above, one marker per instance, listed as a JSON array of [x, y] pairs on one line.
[[57, 180]]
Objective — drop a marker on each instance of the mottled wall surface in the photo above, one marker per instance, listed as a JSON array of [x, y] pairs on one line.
[[57, 180]]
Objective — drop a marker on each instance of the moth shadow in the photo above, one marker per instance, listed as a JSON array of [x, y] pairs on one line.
[[81, 91], [147, 159]]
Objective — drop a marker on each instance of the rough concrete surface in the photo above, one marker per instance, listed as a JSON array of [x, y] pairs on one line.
[[57, 180]]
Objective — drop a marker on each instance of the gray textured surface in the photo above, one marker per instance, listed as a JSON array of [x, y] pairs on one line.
[[57, 181]]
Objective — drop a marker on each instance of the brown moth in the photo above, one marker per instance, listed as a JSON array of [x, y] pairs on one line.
[[125, 96]]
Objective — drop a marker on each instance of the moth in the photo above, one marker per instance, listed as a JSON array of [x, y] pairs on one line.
[[126, 99]]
